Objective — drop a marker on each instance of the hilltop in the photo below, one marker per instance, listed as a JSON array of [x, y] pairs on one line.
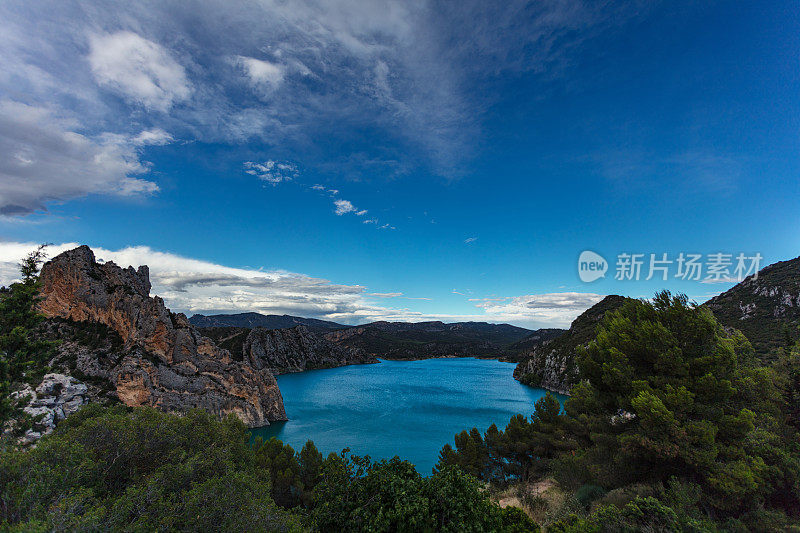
[[765, 308]]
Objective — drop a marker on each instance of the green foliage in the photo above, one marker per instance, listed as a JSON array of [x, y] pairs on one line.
[[136, 469], [23, 356], [589, 493], [563, 347], [524, 449], [357, 495], [668, 393], [671, 409], [643, 514], [140, 470], [771, 324], [293, 475]]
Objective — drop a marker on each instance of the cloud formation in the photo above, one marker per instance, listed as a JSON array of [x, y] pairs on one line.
[[343, 207], [271, 171], [45, 159], [139, 70], [196, 286], [559, 308], [263, 75], [300, 76]]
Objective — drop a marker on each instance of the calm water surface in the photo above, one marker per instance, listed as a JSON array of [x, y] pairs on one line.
[[405, 408]]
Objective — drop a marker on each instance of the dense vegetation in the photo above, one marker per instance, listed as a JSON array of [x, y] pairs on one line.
[[520, 349], [398, 340], [673, 415]]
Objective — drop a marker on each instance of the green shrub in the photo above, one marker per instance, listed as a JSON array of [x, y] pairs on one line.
[[138, 469], [589, 493]]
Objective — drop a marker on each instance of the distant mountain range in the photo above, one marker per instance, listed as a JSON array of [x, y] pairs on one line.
[[766, 310], [392, 340], [403, 340], [257, 320]]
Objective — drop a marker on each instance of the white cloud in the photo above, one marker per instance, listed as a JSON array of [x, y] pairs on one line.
[[726, 279], [558, 309], [46, 160], [154, 136], [261, 74], [470, 240], [139, 70], [343, 207], [386, 294], [271, 171], [196, 286]]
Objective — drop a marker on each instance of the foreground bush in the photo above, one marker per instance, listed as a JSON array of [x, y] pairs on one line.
[[355, 495], [139, 470]]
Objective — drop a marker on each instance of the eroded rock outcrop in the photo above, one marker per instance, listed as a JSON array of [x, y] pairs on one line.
[[164, 361], [56, 397], [297, 349]]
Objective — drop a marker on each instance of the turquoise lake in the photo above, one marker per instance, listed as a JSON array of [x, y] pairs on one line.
[[405, 408]]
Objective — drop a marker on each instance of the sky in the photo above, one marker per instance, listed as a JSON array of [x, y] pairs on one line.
[[410, 160]]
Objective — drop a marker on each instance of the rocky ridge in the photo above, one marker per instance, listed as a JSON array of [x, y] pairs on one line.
[[297, 349], [163, 361], [257, 320]]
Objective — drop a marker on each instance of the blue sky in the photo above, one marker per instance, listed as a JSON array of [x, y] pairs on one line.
[[400, 160]]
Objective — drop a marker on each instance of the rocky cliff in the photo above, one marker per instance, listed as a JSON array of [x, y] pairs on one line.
[[162, 361], [553, 365], [297, 349]]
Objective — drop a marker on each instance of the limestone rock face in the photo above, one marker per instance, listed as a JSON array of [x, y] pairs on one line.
[[297, 349], [167, 363], [551, 370], [57, 397]]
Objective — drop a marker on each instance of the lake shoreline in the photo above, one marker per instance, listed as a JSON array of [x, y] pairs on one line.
[[408, 408]]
